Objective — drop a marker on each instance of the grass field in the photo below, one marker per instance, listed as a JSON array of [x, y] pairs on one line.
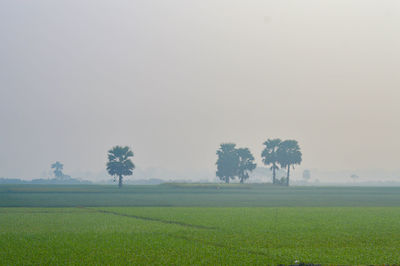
[[233, 225], [197, 195]]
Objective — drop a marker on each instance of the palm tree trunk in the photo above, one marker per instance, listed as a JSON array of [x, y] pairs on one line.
[[273, 174], [288, 174], [120, 181]]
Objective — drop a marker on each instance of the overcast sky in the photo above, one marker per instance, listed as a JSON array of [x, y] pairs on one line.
[[173, 79]]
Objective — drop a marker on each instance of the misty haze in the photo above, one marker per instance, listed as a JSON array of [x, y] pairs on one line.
[[199, 132]]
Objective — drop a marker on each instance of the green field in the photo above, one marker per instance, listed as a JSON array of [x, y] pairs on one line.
[[198, 224]]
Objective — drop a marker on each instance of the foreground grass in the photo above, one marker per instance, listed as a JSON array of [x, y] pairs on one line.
[[199, 235], [198, 224]]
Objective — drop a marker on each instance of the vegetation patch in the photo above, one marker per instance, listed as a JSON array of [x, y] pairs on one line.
[[220, 236]]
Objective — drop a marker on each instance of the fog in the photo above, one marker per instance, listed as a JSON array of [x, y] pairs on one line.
[[174, 79]]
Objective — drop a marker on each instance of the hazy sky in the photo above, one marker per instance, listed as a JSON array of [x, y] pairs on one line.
[[174, 79]]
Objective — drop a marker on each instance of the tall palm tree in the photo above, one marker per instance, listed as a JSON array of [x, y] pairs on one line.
[[289, 154], [246, 163], [58, 167], [270, 156], [119, 163]]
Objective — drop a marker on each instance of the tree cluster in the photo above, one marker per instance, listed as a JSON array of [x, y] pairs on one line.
[[233, 162], [281, 154]]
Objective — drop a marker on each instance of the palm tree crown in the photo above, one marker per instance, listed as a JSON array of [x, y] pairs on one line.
[[289, 154], [270, 156]]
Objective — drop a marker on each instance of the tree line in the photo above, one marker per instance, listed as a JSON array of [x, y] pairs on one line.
[[235, 162], [232, 162]]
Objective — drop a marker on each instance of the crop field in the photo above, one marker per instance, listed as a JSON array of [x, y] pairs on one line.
[[196, 195], [358, 229]]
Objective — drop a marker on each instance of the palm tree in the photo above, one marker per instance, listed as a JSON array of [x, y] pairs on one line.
[[289, 154], [58, 167], [227, 162], [119, 163], [246, 163], [270, 156]]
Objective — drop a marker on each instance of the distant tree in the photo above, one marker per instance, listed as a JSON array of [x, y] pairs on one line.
[[270, 156], [227, 162], [246, 163], [354, 177], [119, 163], [306, 175], [58, 167], [289, 154]]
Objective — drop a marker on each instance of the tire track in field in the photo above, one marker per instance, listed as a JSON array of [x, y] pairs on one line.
[[209, 243], [152, 219]]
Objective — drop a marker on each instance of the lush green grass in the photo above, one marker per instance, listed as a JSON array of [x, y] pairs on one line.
[[196, 195], [187, 235], [209, 225]]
